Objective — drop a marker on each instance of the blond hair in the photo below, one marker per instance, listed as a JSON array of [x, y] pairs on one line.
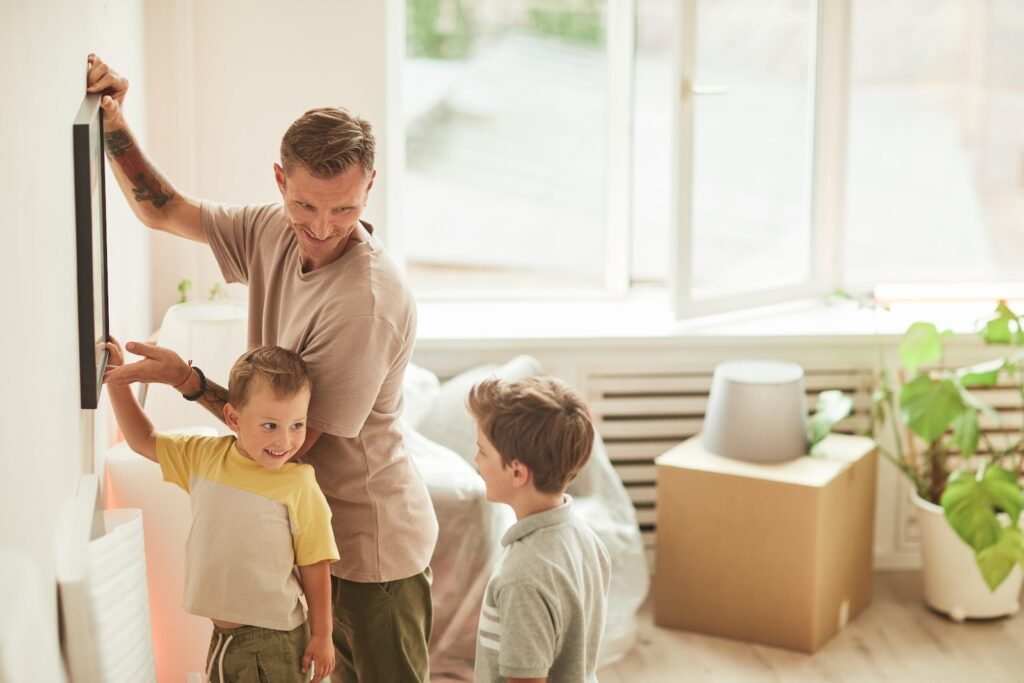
[[283, 371], [540, 422], [327, 142]]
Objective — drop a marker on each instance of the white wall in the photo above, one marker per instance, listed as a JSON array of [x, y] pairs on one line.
[[47, 440], [227, 78]]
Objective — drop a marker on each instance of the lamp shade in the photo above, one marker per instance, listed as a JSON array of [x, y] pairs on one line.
[[213, 335], [757, 411]]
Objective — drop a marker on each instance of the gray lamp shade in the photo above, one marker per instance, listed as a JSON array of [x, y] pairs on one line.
[[757, 411]]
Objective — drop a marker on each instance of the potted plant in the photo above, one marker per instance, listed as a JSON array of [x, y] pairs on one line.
[[967, 489]]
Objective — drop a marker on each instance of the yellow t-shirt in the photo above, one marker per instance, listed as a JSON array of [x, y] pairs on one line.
[[250, 527]]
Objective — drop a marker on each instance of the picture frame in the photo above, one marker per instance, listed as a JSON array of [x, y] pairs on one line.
[[91, 242]]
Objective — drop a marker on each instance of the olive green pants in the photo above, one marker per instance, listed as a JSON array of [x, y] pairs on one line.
[[251, 654], [381, 630]]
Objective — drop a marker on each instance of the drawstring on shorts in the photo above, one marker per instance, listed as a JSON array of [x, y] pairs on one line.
[[213, 656]]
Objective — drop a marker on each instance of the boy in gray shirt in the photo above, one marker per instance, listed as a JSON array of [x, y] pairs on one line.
[[544, 607]]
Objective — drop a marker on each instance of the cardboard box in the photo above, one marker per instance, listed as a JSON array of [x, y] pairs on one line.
[[779, 554]]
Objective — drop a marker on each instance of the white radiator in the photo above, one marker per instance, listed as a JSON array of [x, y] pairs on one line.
[[641, 414], [103, 593]]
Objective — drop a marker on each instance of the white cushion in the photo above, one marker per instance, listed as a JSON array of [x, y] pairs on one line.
[[449, 422]]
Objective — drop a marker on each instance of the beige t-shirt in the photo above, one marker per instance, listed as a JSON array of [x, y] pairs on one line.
[[354, 323], [250, 527]]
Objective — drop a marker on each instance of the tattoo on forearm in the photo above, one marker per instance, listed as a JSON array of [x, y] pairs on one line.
[[117, 142], [149, 188], [146, 183], [214, 399]]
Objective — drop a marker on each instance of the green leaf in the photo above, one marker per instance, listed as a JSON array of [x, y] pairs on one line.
[[833, 406], [966, 432], [929, 406], [921, 345], [983, 374], [972, 501], [998, 560], [1003, 328], [184, 285]]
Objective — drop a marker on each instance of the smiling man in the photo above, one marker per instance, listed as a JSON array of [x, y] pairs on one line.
[[321, 285]]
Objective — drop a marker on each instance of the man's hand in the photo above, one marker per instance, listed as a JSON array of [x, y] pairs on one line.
[[102, 79], [159, 365], [319, 651]]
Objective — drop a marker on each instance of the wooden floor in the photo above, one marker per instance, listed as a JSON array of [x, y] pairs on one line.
[[896, 638]]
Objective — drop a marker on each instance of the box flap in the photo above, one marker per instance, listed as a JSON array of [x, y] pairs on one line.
[[837, 453]]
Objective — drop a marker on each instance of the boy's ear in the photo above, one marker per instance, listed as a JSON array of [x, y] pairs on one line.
[[521, 474], [231, 417]]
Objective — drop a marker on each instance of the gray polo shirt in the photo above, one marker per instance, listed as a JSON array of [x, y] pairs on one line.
[[544, 607]]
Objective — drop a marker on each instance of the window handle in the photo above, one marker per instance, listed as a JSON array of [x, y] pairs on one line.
[[689, 88]]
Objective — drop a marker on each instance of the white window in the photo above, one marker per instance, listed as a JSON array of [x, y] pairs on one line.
[[513, 180], [935, 180], [735, 152]]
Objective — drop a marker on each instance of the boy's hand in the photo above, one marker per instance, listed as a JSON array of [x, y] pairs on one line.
[[320, 651], [115, 355]]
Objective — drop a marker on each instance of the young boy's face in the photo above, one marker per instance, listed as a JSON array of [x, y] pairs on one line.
[[497, 476], [270, 429]]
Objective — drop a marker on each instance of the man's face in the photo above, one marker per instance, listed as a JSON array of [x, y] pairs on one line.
[[323, 212], [270, 429], [498, 477]]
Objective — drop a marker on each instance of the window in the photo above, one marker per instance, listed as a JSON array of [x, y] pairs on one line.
[[508, 107], [935, 180], [738, 152]]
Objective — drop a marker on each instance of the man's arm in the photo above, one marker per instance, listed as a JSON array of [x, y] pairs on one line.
[[152, 197], [312, 435], [214, 398], [164, 366]]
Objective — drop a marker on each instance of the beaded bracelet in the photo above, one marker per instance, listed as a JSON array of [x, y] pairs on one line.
[[202, 387]]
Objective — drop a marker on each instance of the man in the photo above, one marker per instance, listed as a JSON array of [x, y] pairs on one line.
[[319, 284]]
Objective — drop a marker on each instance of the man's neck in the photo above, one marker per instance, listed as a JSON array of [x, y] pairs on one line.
[[311, 265]]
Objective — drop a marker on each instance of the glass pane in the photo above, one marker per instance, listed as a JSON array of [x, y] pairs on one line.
[[505, 113], [752, 145], [935, 179], [652, 129]]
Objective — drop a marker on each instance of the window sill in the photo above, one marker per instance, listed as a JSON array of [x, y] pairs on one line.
[[648, 317]]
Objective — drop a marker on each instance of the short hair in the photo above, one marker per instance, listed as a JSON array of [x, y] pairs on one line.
[[327, 142], [541, 422], [283, 371]]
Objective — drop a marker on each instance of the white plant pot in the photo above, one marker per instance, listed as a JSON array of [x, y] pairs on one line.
[[953, 583]]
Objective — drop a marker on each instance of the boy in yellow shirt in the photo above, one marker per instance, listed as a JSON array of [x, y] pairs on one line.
[[255, 517]]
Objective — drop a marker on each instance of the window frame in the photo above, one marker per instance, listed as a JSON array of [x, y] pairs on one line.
[[831, 53]]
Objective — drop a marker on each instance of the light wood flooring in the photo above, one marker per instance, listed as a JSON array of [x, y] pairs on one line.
[[896, 638]]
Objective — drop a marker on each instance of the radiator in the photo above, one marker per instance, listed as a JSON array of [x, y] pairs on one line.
[[642, 414], [101, 574]]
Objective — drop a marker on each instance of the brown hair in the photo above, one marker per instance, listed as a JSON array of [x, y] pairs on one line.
[[540, 422], [327, 141], [282, 370]]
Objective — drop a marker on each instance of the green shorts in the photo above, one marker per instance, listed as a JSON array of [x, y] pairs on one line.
[[251, 654], [381, 630]]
